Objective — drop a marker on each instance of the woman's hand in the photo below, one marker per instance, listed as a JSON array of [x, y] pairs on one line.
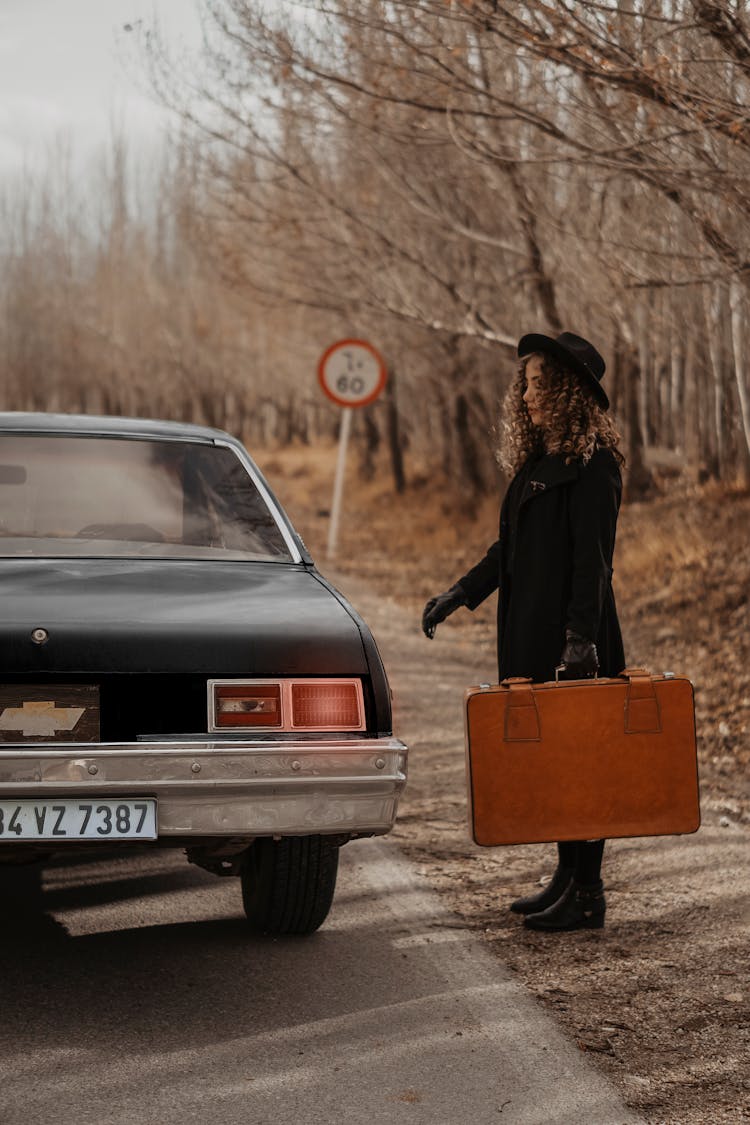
[[437, 609], [579, 658]]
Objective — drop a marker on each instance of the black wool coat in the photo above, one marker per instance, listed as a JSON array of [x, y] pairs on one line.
[[560, 574]]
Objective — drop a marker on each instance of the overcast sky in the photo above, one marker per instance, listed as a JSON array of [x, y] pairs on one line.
[[64, 70]]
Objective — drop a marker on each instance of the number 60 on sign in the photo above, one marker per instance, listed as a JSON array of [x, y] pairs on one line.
[[352, 372]]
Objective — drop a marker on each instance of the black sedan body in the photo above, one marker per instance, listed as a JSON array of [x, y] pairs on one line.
[[174, 671]]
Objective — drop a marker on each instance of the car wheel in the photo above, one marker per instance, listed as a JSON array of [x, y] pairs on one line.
[[288, 884]]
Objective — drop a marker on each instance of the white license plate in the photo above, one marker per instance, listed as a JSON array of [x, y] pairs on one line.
[[77, 819]]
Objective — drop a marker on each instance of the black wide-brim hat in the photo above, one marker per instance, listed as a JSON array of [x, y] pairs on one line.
[[574, 352]]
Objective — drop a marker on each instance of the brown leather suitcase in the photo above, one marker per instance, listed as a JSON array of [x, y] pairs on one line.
[[581, 759]]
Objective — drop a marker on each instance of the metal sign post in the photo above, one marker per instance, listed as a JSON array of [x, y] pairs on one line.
[[351, 373], [338, 482]]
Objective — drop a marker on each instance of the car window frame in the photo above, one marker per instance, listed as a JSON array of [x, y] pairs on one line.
[[279, 516]]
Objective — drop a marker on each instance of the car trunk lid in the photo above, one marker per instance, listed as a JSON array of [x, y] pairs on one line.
[[186, 616]]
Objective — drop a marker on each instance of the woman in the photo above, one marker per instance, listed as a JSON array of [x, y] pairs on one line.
[[552, 563]]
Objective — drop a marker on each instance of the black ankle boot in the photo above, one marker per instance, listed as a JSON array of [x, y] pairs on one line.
[[557, 885], [582, 906]]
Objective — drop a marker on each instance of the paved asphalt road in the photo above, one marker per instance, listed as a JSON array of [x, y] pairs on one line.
[[132, 993]]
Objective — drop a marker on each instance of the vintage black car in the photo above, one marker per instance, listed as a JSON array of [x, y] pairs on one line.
[[174, 671]]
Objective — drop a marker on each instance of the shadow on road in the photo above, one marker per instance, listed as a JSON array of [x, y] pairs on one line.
[[146, 1009], [174, 985], [23, 909]]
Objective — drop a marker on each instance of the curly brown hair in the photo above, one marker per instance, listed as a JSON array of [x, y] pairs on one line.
[[577, 426]]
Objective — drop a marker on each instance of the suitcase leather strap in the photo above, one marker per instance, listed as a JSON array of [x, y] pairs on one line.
[[521, 714], [642, 711]]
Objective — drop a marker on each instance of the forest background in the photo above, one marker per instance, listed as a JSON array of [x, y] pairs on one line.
[[437, 177]]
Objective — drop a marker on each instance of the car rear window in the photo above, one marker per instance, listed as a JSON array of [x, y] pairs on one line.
[[125, 497]]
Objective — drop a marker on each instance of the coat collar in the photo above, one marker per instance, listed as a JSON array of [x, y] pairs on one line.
[[548, 473]]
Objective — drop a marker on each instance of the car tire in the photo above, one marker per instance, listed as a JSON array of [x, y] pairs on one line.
[[288, 884]]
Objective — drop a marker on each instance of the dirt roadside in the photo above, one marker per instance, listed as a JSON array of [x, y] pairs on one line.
[[661, 996]]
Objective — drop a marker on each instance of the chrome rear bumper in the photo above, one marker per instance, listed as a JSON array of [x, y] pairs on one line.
[[224, 788]]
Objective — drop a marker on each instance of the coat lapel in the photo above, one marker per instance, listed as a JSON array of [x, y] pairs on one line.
[[550, 472]]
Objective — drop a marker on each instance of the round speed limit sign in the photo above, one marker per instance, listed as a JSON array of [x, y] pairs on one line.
[[352, 372]]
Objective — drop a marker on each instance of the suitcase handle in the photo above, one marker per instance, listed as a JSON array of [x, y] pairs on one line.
[[561, 668], [642, 709]]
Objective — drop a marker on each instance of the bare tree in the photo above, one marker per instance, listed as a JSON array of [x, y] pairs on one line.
[[440, 177]]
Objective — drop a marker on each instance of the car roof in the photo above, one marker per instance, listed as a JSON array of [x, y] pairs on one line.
[[109, 426]]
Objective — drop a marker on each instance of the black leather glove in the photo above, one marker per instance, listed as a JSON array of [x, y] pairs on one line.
[[437, 609], [579, 658]]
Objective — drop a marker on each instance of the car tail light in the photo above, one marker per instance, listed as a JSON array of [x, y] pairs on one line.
[[288, 705], [328, 704], [247, 705]]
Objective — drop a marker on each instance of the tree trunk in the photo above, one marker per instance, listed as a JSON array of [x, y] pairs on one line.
[[643, 363], [736, 297], [543, 283], [712, 309], [471, 472], [369, 446], [691, 437], [639, 481], [676, 359], [393, 429]]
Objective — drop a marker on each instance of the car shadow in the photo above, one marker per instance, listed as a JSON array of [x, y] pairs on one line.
[[24, 911], [180, 983], [119, 889]]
